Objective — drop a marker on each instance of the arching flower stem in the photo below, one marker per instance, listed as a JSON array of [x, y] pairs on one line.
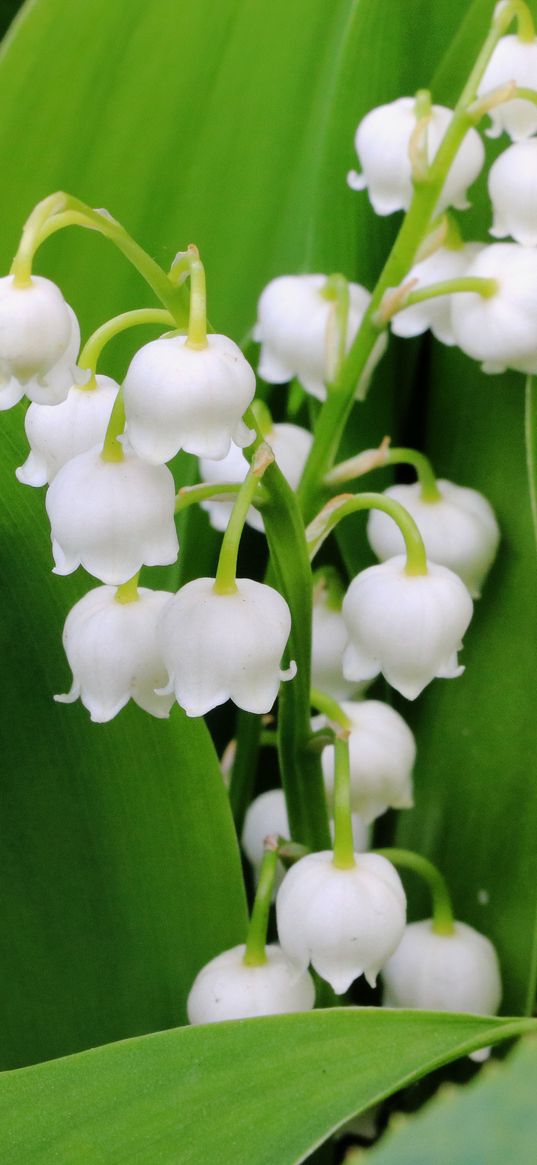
[[255, 954], [443, 919], [343, 505]]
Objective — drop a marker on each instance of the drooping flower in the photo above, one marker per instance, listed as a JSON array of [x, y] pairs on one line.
[[346, 922], [39, 342], [459, 530], [512, 186], [382, 751], [112, 517], [513, 59], [443, 972], [290, 445], [182, 397], [409, 627], [58, 434], [382, 142], [219, 647], [112, 650], [226, 988], [435, 314], [500, 330], [297, 329], [328, 642]]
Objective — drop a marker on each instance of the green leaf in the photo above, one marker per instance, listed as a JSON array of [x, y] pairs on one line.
[[147, 1100], [488, 1123]]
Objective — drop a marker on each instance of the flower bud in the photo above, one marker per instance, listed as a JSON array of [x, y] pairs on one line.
[[112, 517], [500, 330], [290, 445], [220, 647], [112, 651], [180, 397], [409, 627], [345, 922], [296, 326], [382, 751], [226, 988], [58, 434], [459, 530], [512, 183], [39, 342], [512, 60], [328, 643], [382, 142], [443, 972], [435, 314]]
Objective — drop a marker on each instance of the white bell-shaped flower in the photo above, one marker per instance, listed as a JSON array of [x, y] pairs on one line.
[[382, 751], [435, 314], [112, 517], [382, 143], [112, 650], [459, 530], [39, 342], [220, 647], [58, 434], [181, 397], [328, 642], [296, 327], [409, 627], [512, 185], [443, 972], [344, 922], [226, 988], [513, 59], [290, 445], [500, 330]]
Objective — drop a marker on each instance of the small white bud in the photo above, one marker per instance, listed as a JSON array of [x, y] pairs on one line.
[[112, 517], [382, 142], [459, 530], [39, 342], [220, 647], [409, 627], [443, 972], [266, 816], [435, 314], [500, 330], [382, 751], [226, 988], [178, 397], [112, 651], [58, 434], [345, 922], [296, 326], [512, 60], [290, 445], [512, 184], [328, 643]]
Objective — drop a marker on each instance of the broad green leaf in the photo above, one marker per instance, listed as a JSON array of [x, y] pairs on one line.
[[490, 1122], [262, 1091]]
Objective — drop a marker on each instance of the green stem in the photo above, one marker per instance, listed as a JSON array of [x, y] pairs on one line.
[[378, 458], [243, 772], [443, 920], [112, 446], [197, 320], [91, 352], [21, 267], [226, 572], [341, 507], [330, 708], [336, 288], [525, 94], [517, 9], [127, 592], [189, 495], [484, 287], [530, 429], [343, 839], [255, 953]]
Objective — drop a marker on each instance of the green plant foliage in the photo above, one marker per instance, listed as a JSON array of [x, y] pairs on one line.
[[490, 1122], [147, 1100]]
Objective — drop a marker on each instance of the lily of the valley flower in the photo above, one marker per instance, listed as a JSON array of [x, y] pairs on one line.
[[328, 642], [500, 330], [382, 143], [409, 627], [443, 972], [227, 988], [112, 650], [58, 434], [512, 184], [345, 922], [444, 264], [513, 59], [39, 342], [112, 517], [382, 753], [219, 647], [182, 397], [459, 530]]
